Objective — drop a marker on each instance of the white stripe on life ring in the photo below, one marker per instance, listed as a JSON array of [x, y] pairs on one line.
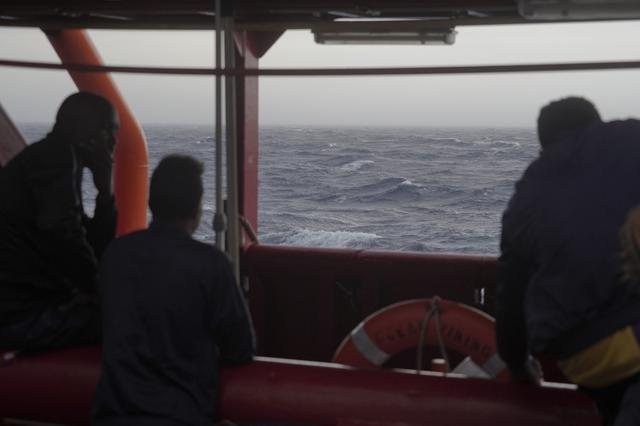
[[367, 347]]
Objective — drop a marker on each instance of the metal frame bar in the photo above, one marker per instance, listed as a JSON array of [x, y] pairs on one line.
[[219, 221], [330, 72], [233, 226], [203, 22]]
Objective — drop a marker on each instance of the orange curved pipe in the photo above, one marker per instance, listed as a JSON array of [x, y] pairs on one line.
[[131, 157]]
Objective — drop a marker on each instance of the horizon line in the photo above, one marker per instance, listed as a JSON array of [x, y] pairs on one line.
[[313, 125]]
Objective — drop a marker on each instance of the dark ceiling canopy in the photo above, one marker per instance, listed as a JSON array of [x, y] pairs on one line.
[[254, 14]]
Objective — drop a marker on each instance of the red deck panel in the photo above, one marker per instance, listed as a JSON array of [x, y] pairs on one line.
[[319, 295]]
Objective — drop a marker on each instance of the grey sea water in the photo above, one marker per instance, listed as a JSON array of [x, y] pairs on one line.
[[438, 190]]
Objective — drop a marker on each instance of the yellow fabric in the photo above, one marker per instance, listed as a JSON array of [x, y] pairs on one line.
[[610, 360]]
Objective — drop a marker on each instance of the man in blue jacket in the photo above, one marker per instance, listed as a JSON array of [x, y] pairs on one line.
[[561, 289], [171, 313]]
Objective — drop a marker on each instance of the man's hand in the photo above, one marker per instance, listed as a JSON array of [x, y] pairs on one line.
[[102, 170], [100, 161]]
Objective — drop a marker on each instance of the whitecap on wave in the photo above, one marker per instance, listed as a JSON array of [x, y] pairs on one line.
[[355, 165], [388, 189], [495, 142], [326, 239], [447, 139]]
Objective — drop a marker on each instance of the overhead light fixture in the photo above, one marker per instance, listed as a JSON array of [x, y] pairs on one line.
[[431, 36], [579, 9]]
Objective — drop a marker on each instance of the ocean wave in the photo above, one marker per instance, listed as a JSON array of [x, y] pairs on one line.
[[448, 139], [355, 165], [429, 190], [496, 143], [445, 247], [326, 239], [330, 147], [336, 198], [338, 161], [389, 189], [381, 185], [513, 143]]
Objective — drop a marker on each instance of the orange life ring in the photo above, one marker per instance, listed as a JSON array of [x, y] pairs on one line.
[[396, 328]]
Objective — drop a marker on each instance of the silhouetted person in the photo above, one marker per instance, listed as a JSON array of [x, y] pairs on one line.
[[48, 246], [561, 282], [171, 310], [563, 118]]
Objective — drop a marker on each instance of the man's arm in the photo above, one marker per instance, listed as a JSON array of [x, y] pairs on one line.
[[101, 228], [233, 328], [514, 273], [59, 220]]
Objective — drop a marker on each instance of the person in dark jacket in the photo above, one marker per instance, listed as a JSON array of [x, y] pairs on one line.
[[171, 312], [561, 286], [48, 246]]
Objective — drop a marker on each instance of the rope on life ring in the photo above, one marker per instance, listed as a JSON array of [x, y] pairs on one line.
[[399, 327]]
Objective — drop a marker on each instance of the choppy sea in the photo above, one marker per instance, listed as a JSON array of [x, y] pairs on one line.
[[439, 190]]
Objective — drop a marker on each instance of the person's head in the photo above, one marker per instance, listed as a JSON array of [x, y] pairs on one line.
[[561, 119], [175, 194], [87, 121]]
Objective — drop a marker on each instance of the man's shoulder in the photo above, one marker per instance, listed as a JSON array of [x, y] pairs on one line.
[[47, 153], [600, 149], [608, 136], [122, 242], [630, 124], [598, 142], [626, 132], [188, 246], [207, 251]]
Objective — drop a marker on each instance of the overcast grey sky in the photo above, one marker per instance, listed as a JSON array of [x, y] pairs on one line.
[[483, 100]]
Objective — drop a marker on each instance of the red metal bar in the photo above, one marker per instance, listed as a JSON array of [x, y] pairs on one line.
[[303, 392], [131, 164], [247, 120], [325, 394]]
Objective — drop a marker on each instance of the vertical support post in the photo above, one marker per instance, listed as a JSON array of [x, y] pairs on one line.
[[247, 124], [251, 46], [233, 173], [131, 158], [219, 220]]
